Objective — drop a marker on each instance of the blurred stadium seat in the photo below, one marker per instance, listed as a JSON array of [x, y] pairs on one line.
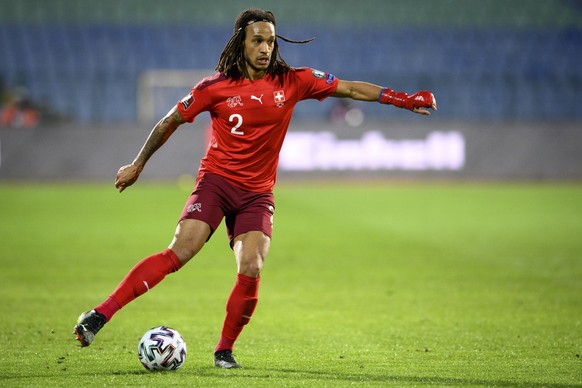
[[495, 60]]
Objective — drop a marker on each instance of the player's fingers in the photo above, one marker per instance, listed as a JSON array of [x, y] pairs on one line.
[[421, 111], [119, 185]]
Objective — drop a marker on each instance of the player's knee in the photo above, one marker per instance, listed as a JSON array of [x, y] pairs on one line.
[[190, 237], [251, 250], [251, 267], [184, 253], [185, 249]]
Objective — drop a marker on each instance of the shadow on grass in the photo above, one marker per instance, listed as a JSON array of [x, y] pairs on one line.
[[290, 375], [426, 380], [322, 376]]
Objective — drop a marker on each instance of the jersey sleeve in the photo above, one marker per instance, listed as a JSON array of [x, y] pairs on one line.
[[316, 84], [195, 102]]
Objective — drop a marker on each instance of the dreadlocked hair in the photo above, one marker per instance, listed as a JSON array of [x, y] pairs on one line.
[[232, 61]]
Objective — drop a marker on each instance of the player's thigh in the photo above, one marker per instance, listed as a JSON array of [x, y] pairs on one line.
[[256, 215], [251, 250], [190, 237]]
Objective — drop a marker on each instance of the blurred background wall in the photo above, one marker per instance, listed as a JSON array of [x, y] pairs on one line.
[[76, 77]]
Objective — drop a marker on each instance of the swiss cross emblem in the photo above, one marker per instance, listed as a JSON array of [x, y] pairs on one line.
[[279, 96]]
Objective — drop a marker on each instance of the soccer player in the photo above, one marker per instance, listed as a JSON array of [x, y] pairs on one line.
[[250, 99]]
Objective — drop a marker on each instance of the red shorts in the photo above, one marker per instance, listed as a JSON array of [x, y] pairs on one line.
[[214, 198]]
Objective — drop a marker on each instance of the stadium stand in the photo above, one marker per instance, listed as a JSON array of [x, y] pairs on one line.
[[494, 60]]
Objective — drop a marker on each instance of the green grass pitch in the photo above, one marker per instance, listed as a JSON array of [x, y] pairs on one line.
[[367, 284]]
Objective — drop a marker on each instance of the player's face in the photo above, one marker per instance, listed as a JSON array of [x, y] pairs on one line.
[[258, 48]]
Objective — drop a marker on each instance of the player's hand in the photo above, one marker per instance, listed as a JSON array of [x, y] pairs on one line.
[[422, 101], [419, 102], [126, 176]]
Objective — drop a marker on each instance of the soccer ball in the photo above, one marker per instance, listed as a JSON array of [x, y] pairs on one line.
[[162, 349]]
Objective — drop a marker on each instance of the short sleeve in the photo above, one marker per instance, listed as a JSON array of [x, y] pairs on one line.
[[193, 103], [316, 84]]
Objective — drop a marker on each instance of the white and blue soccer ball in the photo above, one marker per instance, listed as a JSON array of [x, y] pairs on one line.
[[162, 349]]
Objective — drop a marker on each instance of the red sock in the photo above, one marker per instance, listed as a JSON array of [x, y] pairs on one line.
[[145, 275], [239, 310]]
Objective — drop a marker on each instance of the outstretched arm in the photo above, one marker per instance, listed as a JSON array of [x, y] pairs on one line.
[[128, 175], [418, 102]]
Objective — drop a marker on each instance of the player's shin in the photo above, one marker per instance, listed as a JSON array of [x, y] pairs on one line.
[[145, 275], [240, 307]]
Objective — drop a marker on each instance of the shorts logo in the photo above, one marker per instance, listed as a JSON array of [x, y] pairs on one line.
[[187, 101], [195, 207], [232, 102], [272, 211], [279, 96]]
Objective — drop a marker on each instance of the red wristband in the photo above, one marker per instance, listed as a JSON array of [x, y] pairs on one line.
[[422, 99], [389, 96]]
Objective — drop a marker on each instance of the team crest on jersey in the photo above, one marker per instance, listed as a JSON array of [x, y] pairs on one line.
[[187, 101], [279, 96], [232, 102], [317, 73]]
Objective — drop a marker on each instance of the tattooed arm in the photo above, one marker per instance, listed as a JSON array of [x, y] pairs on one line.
[[128, 175]]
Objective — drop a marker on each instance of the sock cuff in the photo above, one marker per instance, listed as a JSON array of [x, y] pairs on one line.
[[248, 286], [176, 263], [244, 279]]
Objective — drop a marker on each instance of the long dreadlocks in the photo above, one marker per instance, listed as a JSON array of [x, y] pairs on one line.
[[232, 61]]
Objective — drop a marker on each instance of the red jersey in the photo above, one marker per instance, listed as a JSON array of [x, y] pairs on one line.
[[250, 120]]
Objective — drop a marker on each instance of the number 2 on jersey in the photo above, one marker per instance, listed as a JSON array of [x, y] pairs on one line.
[[239, 121]]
